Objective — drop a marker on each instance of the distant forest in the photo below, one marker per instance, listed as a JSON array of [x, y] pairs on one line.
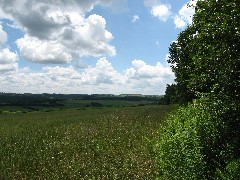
[[54, 100]]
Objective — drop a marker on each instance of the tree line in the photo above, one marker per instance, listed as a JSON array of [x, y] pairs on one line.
[[201, 140]]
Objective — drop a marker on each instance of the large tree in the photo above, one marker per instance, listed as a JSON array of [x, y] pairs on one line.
[[205, 57], [201, 141]]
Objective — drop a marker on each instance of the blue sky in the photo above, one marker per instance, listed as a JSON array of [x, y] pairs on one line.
[[94, 46]]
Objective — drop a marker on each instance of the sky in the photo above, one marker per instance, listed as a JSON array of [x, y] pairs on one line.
[[89, 46]]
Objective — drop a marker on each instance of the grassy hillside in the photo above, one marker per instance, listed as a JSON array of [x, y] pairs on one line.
[[108, 143]]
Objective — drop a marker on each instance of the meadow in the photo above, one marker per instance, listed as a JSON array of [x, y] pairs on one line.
[[80, 143]]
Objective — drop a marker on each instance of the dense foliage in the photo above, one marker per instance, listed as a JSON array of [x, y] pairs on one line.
[[199, 141], [171, 95], [205, 57], [202, 140]]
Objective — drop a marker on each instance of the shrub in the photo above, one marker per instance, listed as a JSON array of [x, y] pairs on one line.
[[231, 172], [198, 139]]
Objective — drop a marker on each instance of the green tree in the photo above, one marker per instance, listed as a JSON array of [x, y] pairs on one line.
[[171, 94], [202, 140], [205, 57], [182, 64]]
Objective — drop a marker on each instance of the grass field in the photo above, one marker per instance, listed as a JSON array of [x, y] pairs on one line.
[[107, 143], [113, 103]]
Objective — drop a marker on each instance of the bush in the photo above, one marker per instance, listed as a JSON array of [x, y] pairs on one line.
[[231, 172], [198, 139]]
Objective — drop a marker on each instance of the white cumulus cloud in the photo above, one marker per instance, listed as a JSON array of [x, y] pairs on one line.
[[185, 14], [158, 9], [90, 39], [8, 67], [61, 24], [102, 78], [7, 60], [3, 35], [162, 11], [142, 70], [7, 57], [39, 51], [147, 79], [102, 73]]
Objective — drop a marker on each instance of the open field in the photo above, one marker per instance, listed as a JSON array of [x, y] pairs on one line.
[[10, 103], [106, 143], [105, 103]]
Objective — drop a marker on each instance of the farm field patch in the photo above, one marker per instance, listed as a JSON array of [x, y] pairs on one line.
[[108, 143]]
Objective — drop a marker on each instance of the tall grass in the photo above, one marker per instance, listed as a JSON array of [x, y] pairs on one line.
[[103, 143]]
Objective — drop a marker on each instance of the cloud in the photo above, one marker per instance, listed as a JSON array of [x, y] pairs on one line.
[[185, 15], [158, 9], [179, 22], [61, 74], [80, 64], [58, 23], [102, 73], [90, 39], [147, 79], [39, 51], [7, 60], [3, 35], [162, 11], [141, 70], [135, 18], [7, 57], [102, 78], [8, 67]]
